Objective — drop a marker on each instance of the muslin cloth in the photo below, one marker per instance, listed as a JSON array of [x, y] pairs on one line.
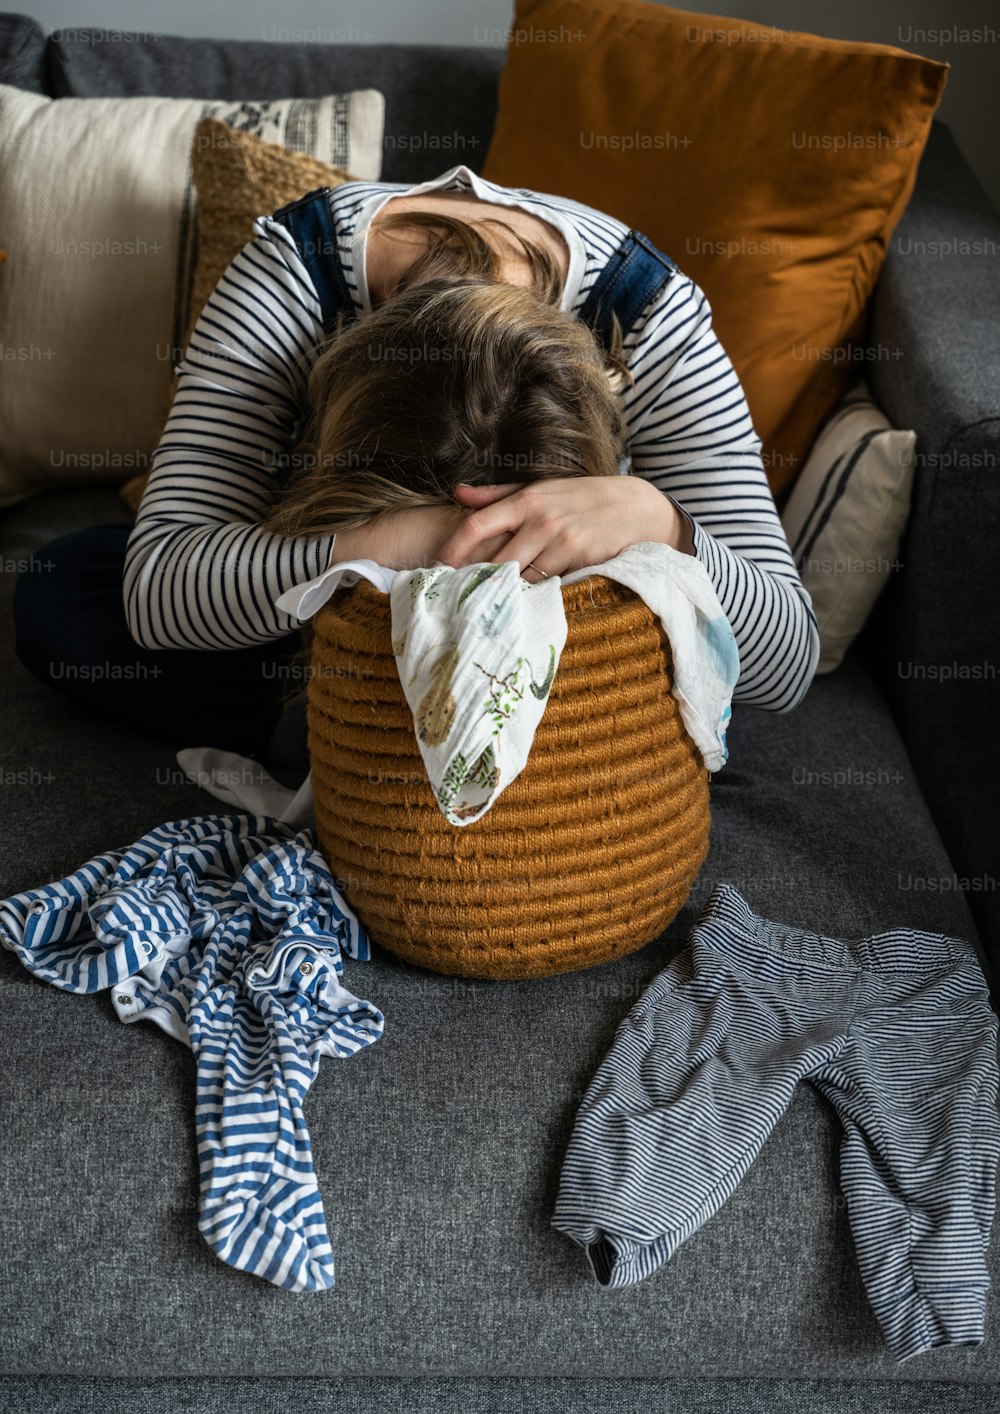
[[477, 648]]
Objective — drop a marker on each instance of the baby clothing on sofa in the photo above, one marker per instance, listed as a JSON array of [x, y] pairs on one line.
[[477, 648], [228, 932], [896, 1030]]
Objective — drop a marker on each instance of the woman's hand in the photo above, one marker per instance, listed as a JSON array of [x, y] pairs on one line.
[[563, 523]]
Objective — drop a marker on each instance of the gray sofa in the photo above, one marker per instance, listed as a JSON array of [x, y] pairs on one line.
[[438, 1150]]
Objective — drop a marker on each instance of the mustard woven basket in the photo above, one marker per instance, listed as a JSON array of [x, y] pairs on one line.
[[587, 855]]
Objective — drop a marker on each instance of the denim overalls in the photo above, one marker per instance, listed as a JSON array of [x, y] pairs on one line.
[[635, 273], [68, 604]]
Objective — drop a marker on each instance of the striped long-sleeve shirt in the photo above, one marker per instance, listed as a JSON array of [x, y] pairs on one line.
[[200, 571]]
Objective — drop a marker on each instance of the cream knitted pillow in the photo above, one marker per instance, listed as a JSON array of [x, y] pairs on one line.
[[98, 217]]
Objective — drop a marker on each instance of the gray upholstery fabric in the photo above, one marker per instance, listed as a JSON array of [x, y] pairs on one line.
[[440, 102], [437, 1150], [959, 299], [22, 53], [499, 1396], [942, 311]]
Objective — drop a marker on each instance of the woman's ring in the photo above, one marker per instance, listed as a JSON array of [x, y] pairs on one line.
[[534, 567]]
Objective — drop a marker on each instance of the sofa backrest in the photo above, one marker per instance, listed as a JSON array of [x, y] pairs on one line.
[[440, 101], [22, 53]]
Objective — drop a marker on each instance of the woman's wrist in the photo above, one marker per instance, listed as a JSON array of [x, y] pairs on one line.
[[362, 542], [343, 547], [662, 520], [405, 538], [684, 530]]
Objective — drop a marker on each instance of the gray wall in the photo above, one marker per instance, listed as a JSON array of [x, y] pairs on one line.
[[965, 33]]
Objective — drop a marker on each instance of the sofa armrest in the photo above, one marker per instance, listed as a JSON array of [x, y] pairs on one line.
[[22, 53], [934, 323], [933, 639]]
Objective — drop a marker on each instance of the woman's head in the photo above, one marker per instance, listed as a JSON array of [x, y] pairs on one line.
[[457, 376]]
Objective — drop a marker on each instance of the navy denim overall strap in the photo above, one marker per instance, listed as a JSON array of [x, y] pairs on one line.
[[634, 274], [632, 277], [310, 225]]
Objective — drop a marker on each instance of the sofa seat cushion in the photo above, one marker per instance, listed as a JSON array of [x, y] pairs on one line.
[[438, 1151]]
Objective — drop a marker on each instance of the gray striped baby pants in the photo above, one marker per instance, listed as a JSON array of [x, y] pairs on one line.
[[896, 1030]]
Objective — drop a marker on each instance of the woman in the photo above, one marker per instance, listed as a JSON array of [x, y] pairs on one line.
[[214, 542]]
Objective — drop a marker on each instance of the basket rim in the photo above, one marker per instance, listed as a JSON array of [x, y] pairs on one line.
[[610, 593]]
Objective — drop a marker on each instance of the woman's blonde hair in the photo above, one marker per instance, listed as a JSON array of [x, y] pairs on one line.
[[457, 376]]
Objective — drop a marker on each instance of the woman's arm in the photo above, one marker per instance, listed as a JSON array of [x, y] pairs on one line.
[[409, 538], [691, 439], [691, 436], [199, 571]]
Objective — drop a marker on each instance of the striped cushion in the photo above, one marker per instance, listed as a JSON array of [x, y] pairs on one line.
[[846, 514]]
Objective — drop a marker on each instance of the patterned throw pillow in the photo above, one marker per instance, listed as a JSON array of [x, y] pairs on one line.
[[846, 515], [99, 221], [238, 176]]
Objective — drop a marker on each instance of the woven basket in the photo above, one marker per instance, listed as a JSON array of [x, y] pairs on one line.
[[587, 855]]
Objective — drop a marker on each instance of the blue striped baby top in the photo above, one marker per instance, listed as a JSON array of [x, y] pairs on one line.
[[200, 572], [229, 932]]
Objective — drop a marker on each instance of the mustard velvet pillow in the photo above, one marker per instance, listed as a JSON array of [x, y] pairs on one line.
[[238, 176], [772, 166]]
